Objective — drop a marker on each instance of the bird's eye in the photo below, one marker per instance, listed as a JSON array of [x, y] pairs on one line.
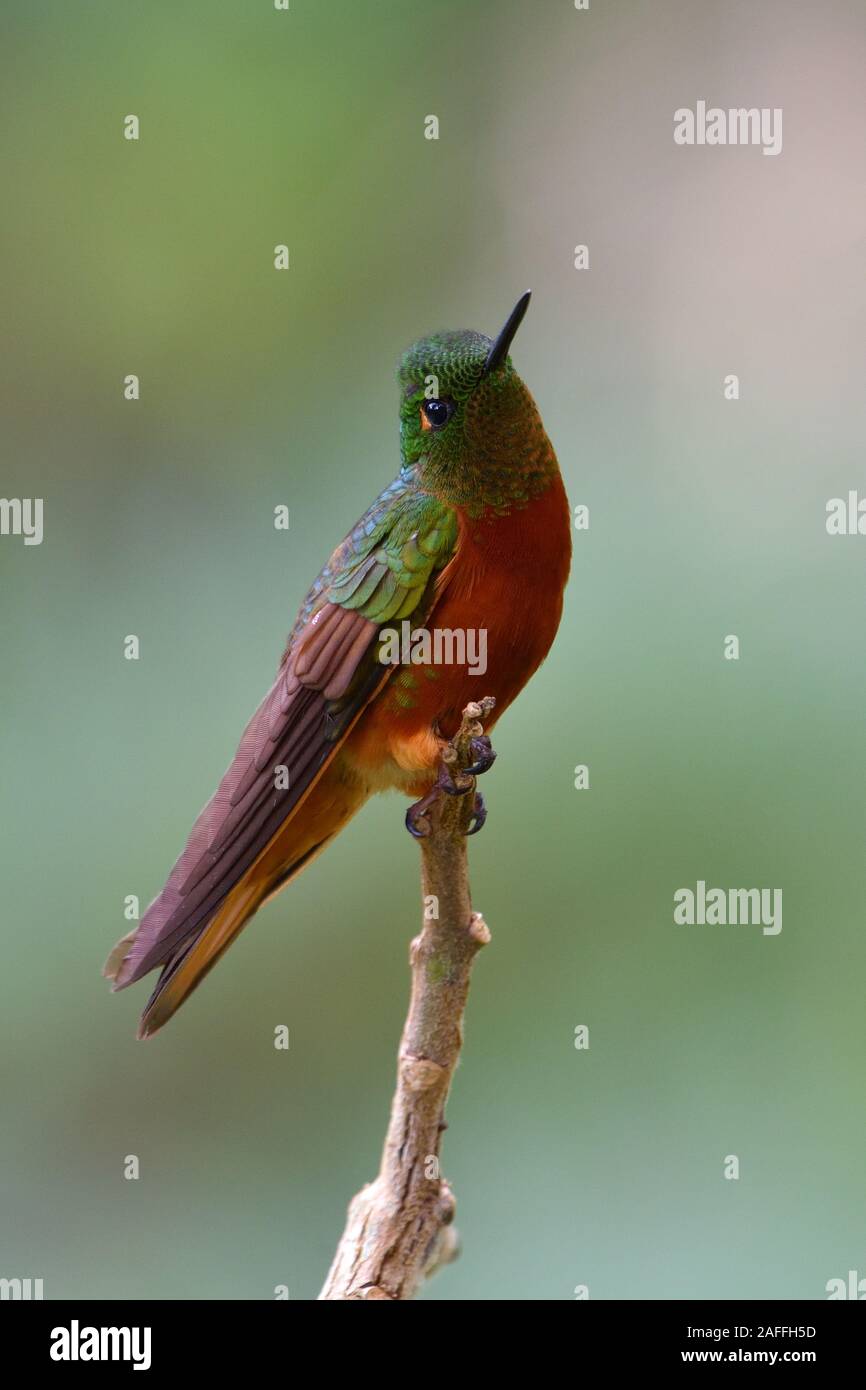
[[435, 414]]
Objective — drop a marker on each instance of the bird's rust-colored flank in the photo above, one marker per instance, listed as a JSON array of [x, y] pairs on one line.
[[473, 536]]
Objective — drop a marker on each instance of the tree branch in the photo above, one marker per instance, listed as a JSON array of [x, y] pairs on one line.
[[399, 1227]]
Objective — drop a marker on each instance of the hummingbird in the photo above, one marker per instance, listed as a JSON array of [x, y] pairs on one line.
[[473, 533]]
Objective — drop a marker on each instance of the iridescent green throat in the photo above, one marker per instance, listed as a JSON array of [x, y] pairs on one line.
[[493, 454]]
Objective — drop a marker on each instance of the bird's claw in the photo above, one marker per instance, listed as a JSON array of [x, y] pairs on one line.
[[479, 814], [418, 816], [483, 754]]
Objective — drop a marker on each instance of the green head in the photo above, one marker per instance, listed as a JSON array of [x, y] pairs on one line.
[[468, 425]]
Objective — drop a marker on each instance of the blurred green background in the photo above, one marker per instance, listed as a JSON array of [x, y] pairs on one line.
[[707, 518]]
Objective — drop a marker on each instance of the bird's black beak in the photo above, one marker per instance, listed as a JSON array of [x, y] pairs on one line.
[[499, 351]]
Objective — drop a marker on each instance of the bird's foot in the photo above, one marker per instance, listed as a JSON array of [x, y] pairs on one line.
[[452, 780], [418, 821]]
